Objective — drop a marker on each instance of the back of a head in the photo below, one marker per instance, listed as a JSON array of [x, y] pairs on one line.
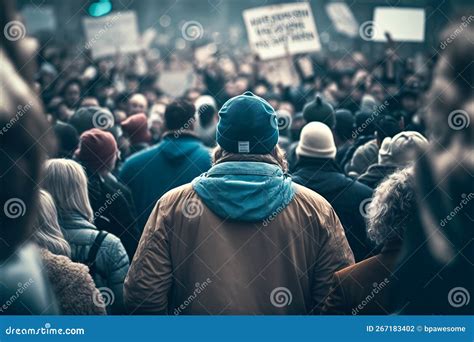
[[320, 110], [24, 147], [344, 124], [47, 233], [179, 115], [403, 148], [205, 109], [86, 118], [386, 126], [364, 122], [66, 181], [316, 141]]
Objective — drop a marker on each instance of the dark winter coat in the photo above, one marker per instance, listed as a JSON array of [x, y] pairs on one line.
[[343, 193]]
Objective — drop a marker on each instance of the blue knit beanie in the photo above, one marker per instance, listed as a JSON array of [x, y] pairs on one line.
[[247, 124]]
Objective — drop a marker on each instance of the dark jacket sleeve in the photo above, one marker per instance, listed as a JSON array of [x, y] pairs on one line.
[[150, 276]]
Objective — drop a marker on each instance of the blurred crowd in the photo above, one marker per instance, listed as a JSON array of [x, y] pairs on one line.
[[330, 185]]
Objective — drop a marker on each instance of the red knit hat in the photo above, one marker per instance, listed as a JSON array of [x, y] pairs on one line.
[[136, 128], [97, 149]]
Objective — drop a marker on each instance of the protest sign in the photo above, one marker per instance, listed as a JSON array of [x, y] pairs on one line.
[[38, 18], [343, 19], [176, 82], [275, 31], [108, 35], [403, 24], [279, 71]]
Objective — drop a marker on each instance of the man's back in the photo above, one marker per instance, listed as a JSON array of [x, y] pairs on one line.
[[151, 173], [191, 261]]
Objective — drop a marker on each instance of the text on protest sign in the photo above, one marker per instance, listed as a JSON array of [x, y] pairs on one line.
[[274, 31], [108, 35]]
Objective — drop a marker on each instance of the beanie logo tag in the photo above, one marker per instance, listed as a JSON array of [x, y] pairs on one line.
[[244, 147]]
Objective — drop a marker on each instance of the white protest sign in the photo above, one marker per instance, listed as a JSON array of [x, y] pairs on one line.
[[403, 24], [108, 35], [38, 18], [279, 71], [176, 82], [343, 19], [274, 31]]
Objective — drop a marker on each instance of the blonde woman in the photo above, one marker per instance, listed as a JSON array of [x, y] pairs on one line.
[[103, 252], [72, 284]]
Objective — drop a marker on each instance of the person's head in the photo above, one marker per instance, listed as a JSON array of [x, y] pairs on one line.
[[377, 91], [179, 115], [25, 140], [321, 111], [71, 93], [403, 149], [316, 141], [86, 118], [364, 123], [137, 103], [206, 110], [344, 125], [386, 126], [89, 101], [97, 150], [393, 207], [247, 125], [66, 181], [47, 232], [409, 101], [135, 128], [67, 139]]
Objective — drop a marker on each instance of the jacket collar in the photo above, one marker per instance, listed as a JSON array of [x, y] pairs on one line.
[[322, 164]]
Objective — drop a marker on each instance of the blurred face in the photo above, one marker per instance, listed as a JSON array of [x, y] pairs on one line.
[[137, 104], [378, 92], [241, 85], [410, 104], [72, 95]]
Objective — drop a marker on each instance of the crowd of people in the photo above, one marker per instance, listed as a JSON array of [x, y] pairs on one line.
[[213, 201]]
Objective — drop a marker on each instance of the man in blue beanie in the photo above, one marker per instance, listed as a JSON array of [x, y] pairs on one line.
[[242, 238]]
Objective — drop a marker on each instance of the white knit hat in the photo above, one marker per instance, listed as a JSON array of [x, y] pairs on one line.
[[402, 149], [316, 141]]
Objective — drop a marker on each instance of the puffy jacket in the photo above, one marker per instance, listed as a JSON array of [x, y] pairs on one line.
[[241, 239], [111, 262], [173, 162], [343, 193]]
